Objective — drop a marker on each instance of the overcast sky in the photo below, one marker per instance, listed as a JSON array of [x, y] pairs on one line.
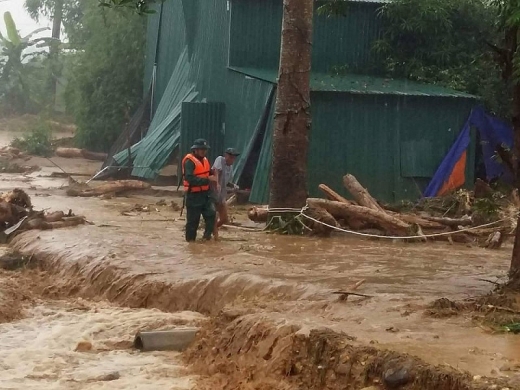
[[23, 21]]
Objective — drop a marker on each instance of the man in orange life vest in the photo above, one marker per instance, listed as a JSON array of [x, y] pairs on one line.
[[197, 177]]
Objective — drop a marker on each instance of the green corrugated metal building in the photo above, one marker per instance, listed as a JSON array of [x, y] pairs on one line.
[[213, 66]]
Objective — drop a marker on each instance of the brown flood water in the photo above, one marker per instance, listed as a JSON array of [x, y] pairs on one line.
[[288, 278]]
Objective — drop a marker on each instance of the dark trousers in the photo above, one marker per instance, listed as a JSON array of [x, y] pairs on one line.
[[198, 204]]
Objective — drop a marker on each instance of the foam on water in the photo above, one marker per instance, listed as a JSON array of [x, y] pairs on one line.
[[38, 352]]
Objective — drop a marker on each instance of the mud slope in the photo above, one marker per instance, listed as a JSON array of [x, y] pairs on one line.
[[251, 352], [86, 269]]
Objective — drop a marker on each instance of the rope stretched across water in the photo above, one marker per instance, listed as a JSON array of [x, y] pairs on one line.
[[368, 235]]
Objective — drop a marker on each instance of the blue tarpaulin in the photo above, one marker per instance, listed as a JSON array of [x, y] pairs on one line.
[[494, 133]]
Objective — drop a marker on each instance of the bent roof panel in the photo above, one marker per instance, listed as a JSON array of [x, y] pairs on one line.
[[361, 84]]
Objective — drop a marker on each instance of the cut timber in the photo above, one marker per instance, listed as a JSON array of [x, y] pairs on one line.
[[258, 213], [110, 187], [332, 195], [340, 210], [360, 194], [452, 222], [80, 153], [323, 216], [417, 220]]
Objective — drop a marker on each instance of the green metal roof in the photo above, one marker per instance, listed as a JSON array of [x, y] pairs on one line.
[[361, 84]]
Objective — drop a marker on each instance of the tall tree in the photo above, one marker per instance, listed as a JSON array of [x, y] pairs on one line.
[[508, 55], [292, 120]]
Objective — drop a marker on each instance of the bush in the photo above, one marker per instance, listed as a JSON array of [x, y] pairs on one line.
[[38, 140]]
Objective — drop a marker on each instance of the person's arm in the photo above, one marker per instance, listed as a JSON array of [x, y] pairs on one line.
[[194, 181], [217, 170]]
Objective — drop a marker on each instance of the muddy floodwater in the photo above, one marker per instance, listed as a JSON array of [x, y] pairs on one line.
[[39, 351]]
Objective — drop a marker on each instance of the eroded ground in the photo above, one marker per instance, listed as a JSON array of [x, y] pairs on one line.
[[139, 259]]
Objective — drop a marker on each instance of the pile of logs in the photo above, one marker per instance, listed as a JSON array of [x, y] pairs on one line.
[[366, 215], [17, 215]]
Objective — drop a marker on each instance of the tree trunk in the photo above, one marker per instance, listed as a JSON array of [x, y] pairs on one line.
[[514, 271], [292, 120], [54, 49]]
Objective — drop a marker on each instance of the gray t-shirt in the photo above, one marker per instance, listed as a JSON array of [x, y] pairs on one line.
[[225, 173]]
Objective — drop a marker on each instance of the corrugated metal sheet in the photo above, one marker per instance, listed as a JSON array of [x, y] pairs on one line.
[[203, 120], [260, 189], [365, 134], [193, 55], [337, 40], [361, 84]]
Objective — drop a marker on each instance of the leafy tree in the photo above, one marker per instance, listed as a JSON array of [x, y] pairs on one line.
[[105, 75], [444, 42], [19, 59]]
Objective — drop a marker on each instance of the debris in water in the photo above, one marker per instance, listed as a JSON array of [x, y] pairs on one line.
[[83, 346], [113, 187]]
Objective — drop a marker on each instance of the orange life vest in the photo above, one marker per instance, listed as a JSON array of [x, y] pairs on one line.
[[202, 169]]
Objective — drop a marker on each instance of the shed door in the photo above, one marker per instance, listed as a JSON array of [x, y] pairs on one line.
[[203, 120]]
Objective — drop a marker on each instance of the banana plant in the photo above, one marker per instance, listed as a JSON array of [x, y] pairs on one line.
[[15, 53]]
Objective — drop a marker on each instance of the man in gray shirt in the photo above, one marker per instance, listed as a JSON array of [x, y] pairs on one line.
[[223, 170]]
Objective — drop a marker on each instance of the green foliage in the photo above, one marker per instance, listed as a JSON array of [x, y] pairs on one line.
[[105, 77], [444, 42], [140, 7], [37, 142], [21, 64]]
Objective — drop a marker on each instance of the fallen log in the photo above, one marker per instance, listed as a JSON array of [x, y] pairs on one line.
[[417, 220], [452, 222], [360, 194], [42, 224], [320, 215], [54, 217], [332, 195], [108, 188], [258, 213], [339, 210], [80, 153]]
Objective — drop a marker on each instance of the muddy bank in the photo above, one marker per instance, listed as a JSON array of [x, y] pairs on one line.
[[82, 269], [12, 298], [252, 352]]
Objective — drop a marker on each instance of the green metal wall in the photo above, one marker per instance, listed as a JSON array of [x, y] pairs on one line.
[[368, 135], [203, 120], [392, 144], [337, 40], [201, 27]]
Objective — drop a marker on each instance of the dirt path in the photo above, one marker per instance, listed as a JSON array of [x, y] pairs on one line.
[[141, 260]]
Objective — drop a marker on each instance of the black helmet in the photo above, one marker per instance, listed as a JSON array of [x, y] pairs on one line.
[[200, 144]]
